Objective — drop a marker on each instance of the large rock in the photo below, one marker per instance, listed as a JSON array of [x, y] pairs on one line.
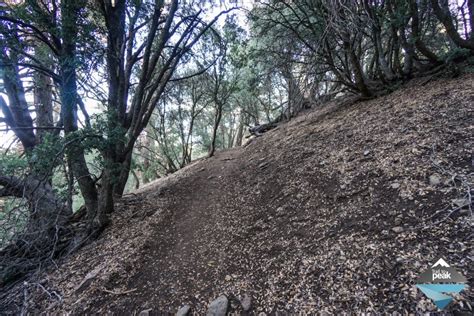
[[218, 307], [246, 303], [184, 311]]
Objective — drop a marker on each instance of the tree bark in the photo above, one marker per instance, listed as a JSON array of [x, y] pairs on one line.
[[123, 174], [387, 72], [377, 40], [43, 95], [16, 113], [409, 53], [415, 28], [356, 68], [217, 121], [97, 217], [240, 130]]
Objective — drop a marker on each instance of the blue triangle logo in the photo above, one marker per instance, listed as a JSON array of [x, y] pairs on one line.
[[438, 293]]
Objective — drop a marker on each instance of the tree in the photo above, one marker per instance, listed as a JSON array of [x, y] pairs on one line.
[[171, 32], [66, 37], [444, 15]]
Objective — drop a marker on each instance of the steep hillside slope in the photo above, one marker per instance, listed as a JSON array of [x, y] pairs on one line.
[[339, 210]]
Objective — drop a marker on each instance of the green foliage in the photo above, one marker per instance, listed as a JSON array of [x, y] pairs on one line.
[[12, 164], [457, 53], [47, 155], [245, 74]]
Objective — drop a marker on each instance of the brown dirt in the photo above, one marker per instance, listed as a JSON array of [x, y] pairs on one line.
[[301, 219]]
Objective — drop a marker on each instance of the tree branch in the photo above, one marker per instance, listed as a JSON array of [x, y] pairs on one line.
[[38, 32]]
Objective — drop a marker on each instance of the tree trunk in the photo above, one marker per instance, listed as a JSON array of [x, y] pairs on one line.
[[357, 70], [217, 121], [123, 174], [378, 44], [445, 17], [96, 217], [106, 197], [415, 28], [16, 114], [240, 130], [387, 72], [43, 95], [189, 138], [70, 186], [397, 68], [409, 53]]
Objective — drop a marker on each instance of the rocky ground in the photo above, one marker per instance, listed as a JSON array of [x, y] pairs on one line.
[[337, 211]]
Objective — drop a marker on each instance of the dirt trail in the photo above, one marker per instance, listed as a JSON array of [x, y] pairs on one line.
[[338, 210]]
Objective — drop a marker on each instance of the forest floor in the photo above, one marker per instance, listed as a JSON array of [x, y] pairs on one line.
[[338, 210]]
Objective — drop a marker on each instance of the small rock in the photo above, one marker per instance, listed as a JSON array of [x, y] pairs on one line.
[[228, 278], [246, 302], [218, 307], [397, 229], [395, 185], [398, 221], [184, 311], [434, 180], [366, 153]]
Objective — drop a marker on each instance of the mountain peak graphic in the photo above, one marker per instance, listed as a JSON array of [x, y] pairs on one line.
[[440, 262], [441, 284]]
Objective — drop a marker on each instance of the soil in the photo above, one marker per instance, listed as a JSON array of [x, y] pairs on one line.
[[338, 210]]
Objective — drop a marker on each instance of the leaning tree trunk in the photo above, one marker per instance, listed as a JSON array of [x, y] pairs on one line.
[[415, 27], [357, 69]]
